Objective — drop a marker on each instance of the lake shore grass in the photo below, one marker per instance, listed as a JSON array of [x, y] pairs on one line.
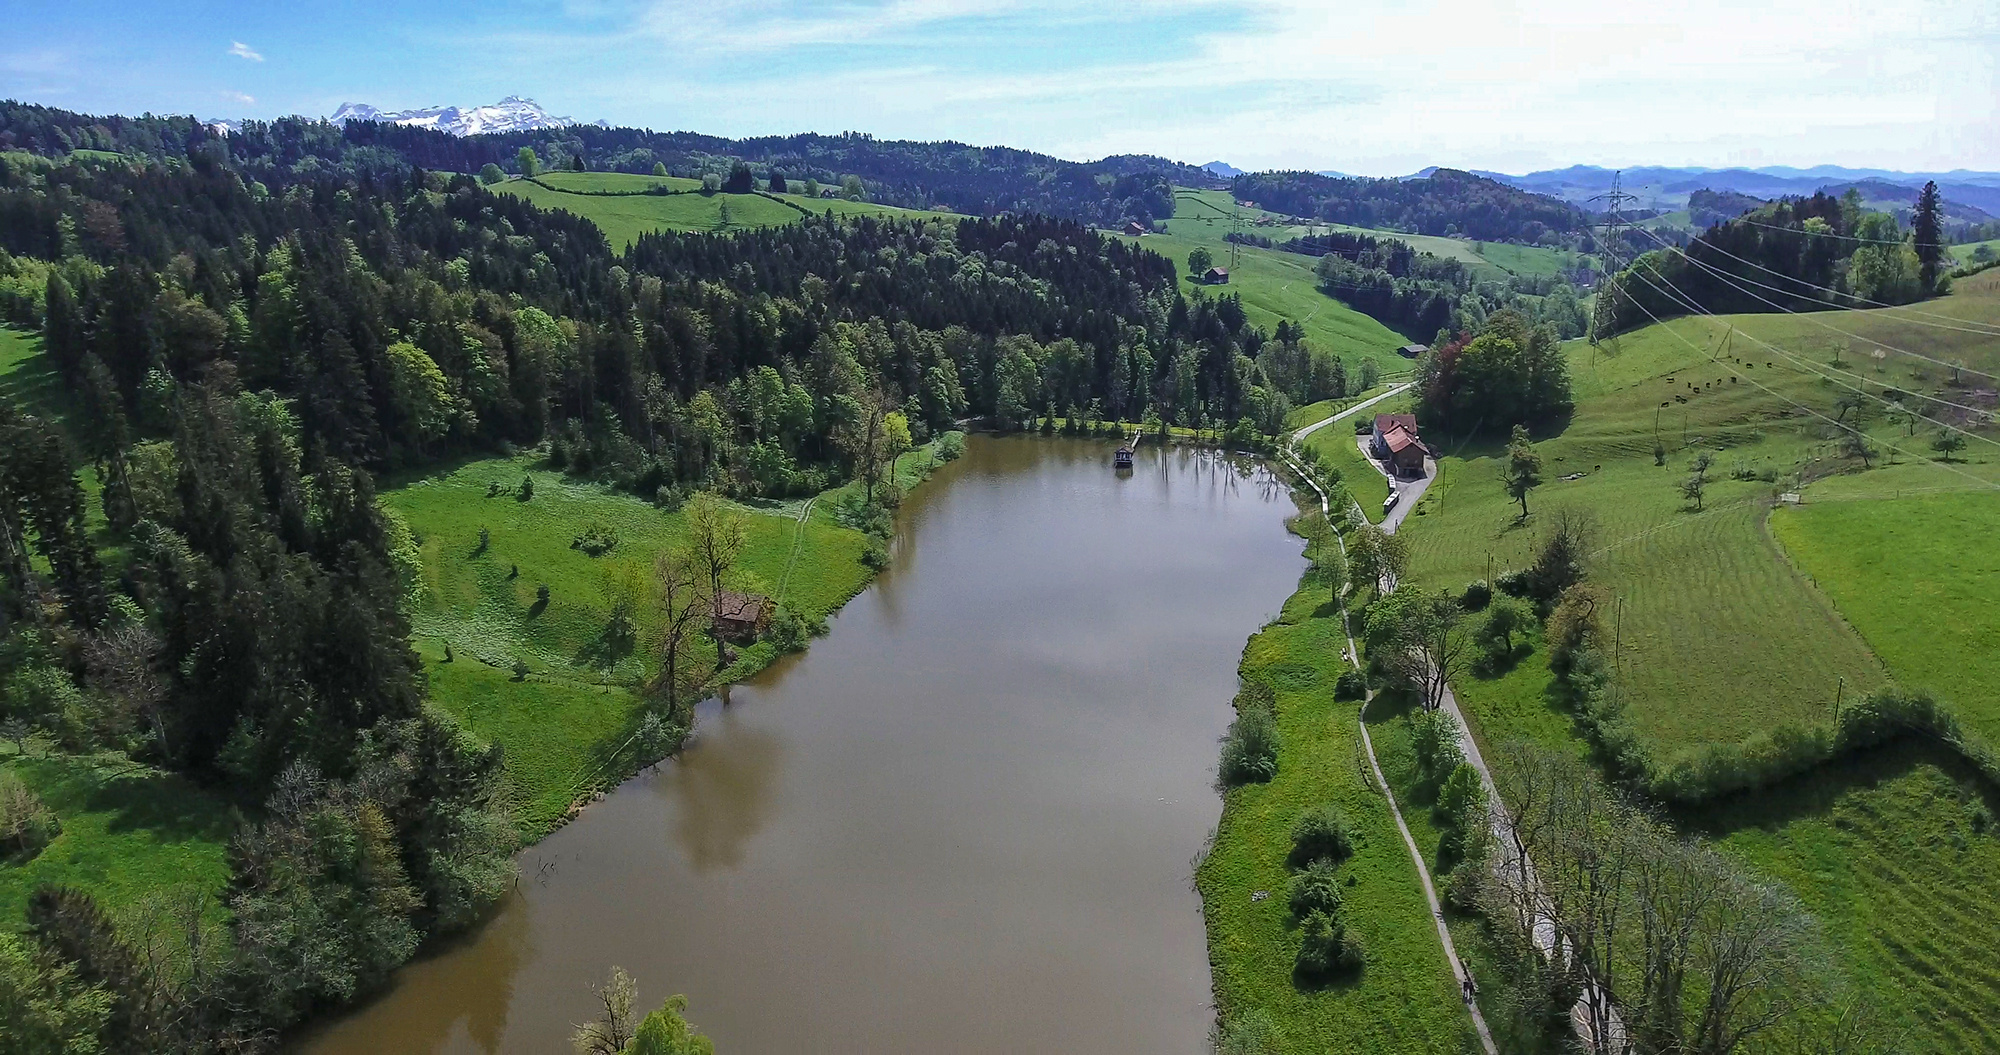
[[1405, 999]]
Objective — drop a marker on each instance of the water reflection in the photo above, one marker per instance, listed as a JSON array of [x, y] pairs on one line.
[[721, 789], [960, 822]]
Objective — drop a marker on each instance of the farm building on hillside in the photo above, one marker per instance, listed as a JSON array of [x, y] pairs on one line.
[[1395, 442], [741, 616], [1215, 276], [1412, 351], [1135, 228]]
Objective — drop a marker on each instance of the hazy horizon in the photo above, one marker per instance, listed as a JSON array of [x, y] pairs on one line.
[[1372, 89]]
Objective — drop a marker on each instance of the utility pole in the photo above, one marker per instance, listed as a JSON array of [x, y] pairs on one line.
[[1235, 229], [1611, 241]]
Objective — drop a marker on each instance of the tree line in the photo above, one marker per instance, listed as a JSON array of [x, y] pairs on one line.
[[1795, 254], [1447, 202], [981, 181], [1425, 294]]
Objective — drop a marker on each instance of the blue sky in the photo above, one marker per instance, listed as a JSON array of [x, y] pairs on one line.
[[1368, 87]]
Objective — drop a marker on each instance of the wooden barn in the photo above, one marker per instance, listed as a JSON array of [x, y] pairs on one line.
[[1215, 276], [741, 616]]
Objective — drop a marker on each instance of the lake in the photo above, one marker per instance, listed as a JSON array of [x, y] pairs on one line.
[[965, 820]]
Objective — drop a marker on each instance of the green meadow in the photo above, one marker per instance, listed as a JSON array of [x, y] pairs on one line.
[[620, 205], [1919, 578], [1276, 286], [1895, 853], [565, 722], [1404, 998]]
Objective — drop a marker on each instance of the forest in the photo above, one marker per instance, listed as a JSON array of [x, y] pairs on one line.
[[1422, 293], [1447, 202], [956, 177], [198, 576]]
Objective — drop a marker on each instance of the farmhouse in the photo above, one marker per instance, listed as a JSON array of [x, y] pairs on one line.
[[1135, 228], [1412, 351], [741, 616], [1215, 276], [1395, 442]]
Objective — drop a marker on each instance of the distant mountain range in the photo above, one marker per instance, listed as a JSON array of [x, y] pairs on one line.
[[515, 113], [1665, 188]]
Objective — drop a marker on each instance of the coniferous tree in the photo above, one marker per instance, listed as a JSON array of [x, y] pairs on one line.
[[1927, 224]]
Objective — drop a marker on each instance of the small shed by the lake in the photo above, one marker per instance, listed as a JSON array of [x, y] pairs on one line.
[[1215, 276], [741, 616]]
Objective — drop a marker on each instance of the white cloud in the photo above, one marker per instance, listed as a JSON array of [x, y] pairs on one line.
[[244, 51], [239, 97]]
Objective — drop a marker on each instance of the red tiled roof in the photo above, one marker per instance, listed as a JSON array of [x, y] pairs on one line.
[[1385, 422], [1399, 438]]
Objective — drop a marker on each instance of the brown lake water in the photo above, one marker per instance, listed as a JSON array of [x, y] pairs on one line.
[[963, 821]]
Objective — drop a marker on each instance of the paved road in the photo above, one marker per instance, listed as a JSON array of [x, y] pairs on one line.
[[1351, 411], [1511, 863]]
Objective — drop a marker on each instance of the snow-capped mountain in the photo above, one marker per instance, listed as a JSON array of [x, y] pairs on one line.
[[512, 114]]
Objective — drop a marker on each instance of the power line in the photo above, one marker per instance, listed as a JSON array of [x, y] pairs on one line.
[[1820, 234], [1768, 389], [1813, 318], [1815, 370], [1829, 289]]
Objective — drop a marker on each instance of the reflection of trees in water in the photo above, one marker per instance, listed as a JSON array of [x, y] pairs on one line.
[[467, 980], [723, 786]]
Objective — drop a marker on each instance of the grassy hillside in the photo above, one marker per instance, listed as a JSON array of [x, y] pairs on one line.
[[1918, 578], [1735, 618], [564, 722], [1895, 853], [1278, 286], [1404, 999], [1720, 636], [1219, 208], [618, 204]]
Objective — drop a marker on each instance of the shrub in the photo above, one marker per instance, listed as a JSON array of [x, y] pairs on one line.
[[1251, 1033], [1320, 834], [669, 498], [789, 631], [526, 492], [1512, 583], [1325, 948], [596, 539], [876, 555], [26, 824], [1351, 685], [1461, 812], [1317, 889], [1477, 595], [1250, 748], [1434, 737], [951, 446]]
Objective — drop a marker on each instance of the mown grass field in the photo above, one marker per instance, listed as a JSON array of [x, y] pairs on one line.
[[1890, 853], [1720, 636], [1919, 578], [1964, 253], [628, 212], [1404, 1000]]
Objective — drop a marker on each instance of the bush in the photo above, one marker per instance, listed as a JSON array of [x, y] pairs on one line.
[[1434, 738], [1317, 889], [1461, 812], [789, 631], [1325, 948], [1477, 595], [669, 498], [596, 540], [1320, 834], [876, 555], [1512, 583], [951, 446], [1351, 685], [26, 824], [1251, 1033], [526, 492], [1250, 748]]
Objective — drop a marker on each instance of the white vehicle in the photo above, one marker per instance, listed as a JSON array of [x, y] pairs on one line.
[[1390, 502]]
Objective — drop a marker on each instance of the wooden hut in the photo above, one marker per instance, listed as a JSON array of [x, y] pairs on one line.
[[741, 616]]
